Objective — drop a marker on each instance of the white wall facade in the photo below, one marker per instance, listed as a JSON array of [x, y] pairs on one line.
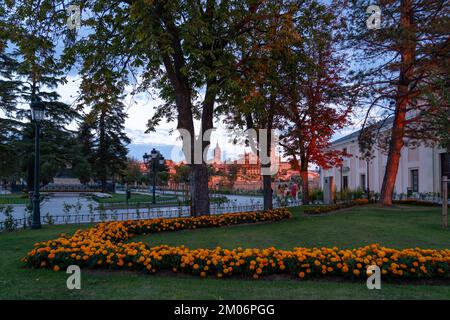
[[426, 160]]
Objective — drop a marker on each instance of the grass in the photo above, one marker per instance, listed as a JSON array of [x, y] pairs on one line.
[[398, 227], [143, 201], [14, 198], [135, 198]]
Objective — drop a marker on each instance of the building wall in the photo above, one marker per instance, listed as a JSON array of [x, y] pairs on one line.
[[424, 159]]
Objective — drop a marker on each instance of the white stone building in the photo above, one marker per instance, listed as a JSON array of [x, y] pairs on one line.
[[420, 170]]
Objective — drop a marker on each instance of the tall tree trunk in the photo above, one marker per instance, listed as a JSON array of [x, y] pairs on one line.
[[199, 190], [200, 195], [305, 183], [406, 72], [267, 192], [102, 148]]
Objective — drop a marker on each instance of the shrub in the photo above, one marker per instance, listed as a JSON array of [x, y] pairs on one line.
[[334, 207], [9, 223], [316, 195]]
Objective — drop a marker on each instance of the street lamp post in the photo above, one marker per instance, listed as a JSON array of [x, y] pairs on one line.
[[153, 159], [37, 115]]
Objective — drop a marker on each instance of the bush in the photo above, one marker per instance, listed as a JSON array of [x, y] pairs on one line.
[[9, 224], [334, 207], [316, 195], [350, 195]]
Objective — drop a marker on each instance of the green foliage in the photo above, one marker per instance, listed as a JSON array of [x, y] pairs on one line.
[[30, 68], [316, 195], [133, 173], [48, 219], [102, 91], [349, 195], [233, 171], [9, 224], [182, 174]]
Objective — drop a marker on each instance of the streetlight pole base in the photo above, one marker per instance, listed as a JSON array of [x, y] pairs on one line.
[[36, 224]]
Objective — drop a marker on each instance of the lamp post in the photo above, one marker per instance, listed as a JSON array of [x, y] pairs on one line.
[[153, 159], [37, 115]]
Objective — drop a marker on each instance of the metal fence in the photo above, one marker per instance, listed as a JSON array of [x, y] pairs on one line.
[[153, 213]]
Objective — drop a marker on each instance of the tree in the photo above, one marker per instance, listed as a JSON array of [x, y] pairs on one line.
[[102, 92], [133, 174], [233, 171], [400, 62], [256, 96], [318, 101], [9, 127], [36, 72], [182, 174], [438, 117], [184, 49]]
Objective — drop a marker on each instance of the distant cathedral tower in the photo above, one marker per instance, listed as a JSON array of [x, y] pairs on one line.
[[217, 153]]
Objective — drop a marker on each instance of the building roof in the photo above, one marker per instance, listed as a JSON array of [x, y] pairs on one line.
[[355, 134]]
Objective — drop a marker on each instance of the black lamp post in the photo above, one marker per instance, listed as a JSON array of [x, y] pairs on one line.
[[153, 159], [37, 115]]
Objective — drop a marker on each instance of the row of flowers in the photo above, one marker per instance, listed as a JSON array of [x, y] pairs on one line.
[[337, 206], [103, 247]]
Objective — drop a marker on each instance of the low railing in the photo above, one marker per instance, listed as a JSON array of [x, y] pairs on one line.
[[153, 213]]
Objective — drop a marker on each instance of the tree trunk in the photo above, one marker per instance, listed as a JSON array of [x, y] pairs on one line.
[[267, 192], [406, 72], [305, 183], [200, 193], [102, 148]]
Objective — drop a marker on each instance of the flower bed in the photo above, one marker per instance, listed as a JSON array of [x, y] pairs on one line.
[[103, 247], [334, 207]]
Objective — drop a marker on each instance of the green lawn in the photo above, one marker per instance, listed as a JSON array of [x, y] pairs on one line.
[[14, 198], [135, 198], [400, 227], [143, 201]]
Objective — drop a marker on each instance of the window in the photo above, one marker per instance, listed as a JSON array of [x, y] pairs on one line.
[[363, 181], [415, 180], [345, 183]]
